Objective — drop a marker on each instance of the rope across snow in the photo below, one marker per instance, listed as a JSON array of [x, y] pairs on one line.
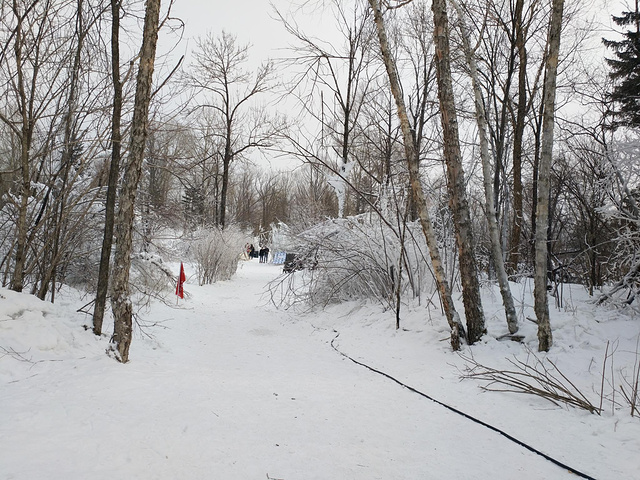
[[465, 415]]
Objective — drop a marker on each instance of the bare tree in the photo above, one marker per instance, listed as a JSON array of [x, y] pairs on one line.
[[333, 82], [120, 300], [417, 42], [494, 231], [312, 199], [455, 176], [32, 91], [200, 171], [114, 171], [545, 338], [48, 114], [416, 186], [220, 72], [516, 229], [510, 64], [273, 197]]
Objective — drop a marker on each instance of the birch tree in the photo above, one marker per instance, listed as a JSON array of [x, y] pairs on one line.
[[455, 176], [492, 220], [545, 338], [453, 318]]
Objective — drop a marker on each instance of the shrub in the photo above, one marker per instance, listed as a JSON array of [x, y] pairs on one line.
[[216, 253], [354, 258]]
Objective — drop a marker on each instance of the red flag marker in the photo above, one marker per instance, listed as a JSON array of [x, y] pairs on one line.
[[181, 279]]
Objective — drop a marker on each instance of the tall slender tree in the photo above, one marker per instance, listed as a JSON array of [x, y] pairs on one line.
[[453, 318], [25, 81], [114, 171], [455, 175], [121, 298], [70, 150], [541, 301], [518, 134], [492, 220]]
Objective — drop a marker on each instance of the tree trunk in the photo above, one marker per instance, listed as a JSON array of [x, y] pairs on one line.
[[226, 168], [534, 173], [545, 339], [17, 282], [66, 161], [494, 230], [120, 300], [453, 318], [114, 171], [516, 229], [455, 176]]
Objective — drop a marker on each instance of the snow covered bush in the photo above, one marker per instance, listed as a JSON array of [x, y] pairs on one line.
[[216, 253], [149, 275], [623, 216], [359, 257], [63, 235]]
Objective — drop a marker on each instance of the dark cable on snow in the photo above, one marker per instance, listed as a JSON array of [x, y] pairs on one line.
[[465, 415]]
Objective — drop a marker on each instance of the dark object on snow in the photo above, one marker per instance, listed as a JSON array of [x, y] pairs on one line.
[[296, 261], [291, 263]]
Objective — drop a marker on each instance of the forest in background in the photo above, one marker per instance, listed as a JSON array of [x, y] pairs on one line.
[[415, 146]]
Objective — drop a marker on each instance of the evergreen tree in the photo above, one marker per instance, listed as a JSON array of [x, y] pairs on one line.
[[625, 71]]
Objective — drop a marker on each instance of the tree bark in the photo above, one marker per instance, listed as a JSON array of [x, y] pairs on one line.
[[541, 300], [69, 148], [17, 282], [453, 318], [492, 220], [455, 176], [120, 300], [516, 229], [226, 169], [114, 171]]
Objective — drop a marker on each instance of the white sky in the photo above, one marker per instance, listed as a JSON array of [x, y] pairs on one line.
[[250, 20], [253, 22]]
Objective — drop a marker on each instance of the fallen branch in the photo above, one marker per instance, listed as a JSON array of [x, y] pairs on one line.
[[14, 354], [533, 378]]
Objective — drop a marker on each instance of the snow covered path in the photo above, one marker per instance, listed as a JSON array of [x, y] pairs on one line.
[[230, 388]]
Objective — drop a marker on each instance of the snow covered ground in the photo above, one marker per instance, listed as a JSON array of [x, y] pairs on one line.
[[224, 386]]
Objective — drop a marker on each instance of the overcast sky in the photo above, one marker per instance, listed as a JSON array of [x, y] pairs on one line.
[[251, 20]]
